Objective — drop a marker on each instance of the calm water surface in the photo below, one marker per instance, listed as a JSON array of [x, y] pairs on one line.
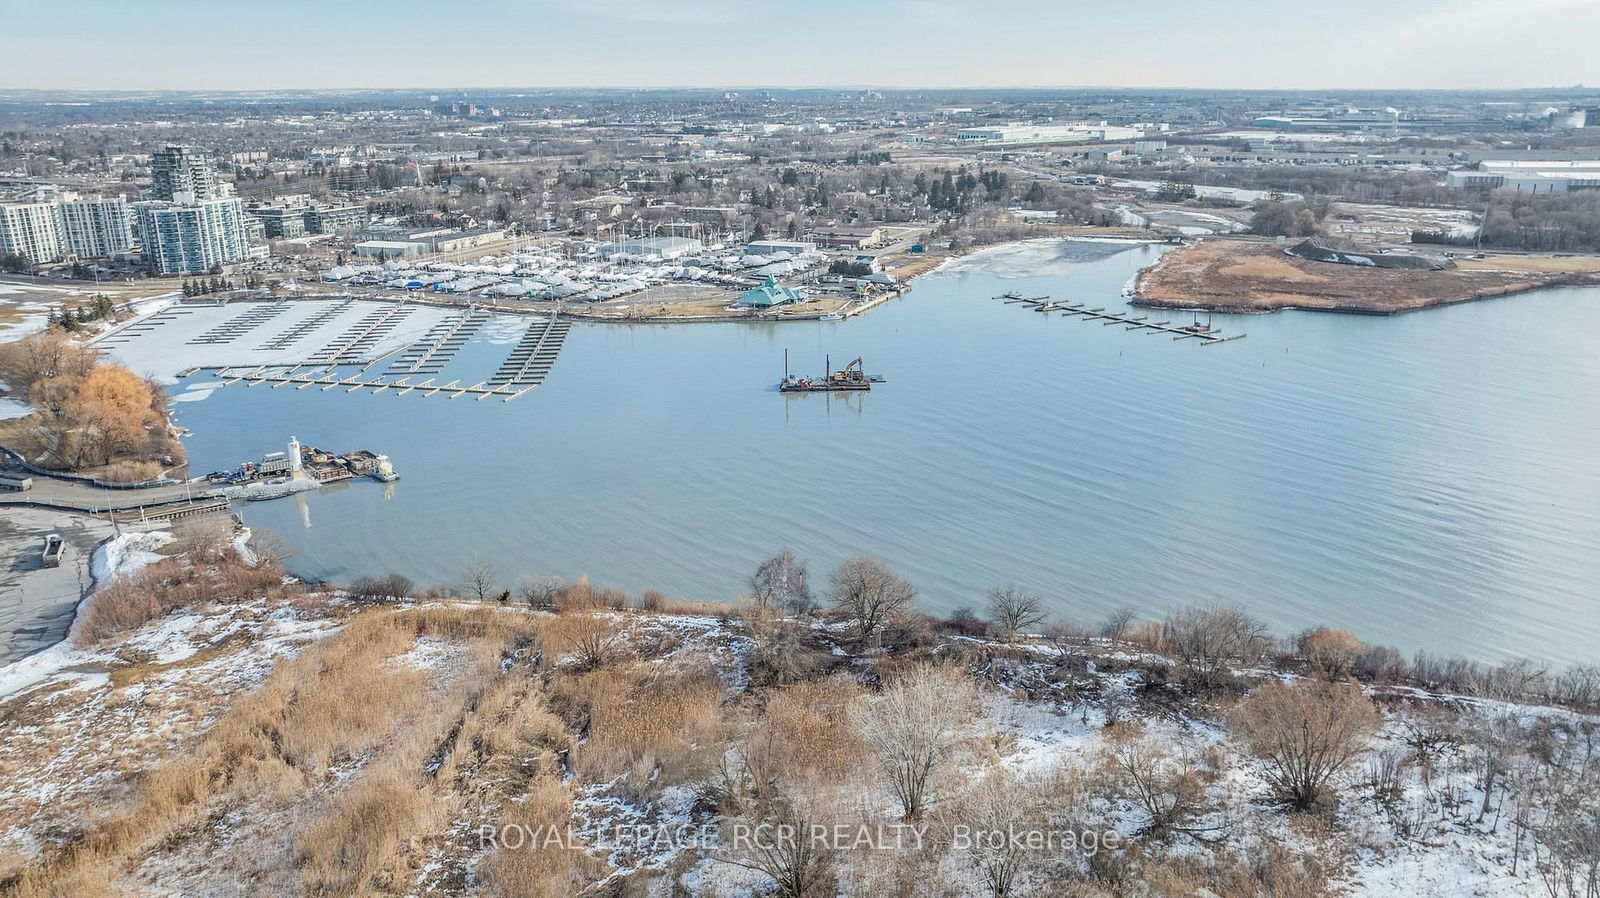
[[1428, 481]]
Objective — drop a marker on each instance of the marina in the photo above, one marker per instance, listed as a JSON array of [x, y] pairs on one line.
[[1202, 332], [349, 345], [998, 430]]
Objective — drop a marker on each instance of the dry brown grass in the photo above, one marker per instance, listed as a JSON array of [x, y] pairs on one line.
[[647, 723], [132, 600], [369, 824], [528, 871], [1244, 275], [806, 731], [588, 640], [129, 471], [340, 701], [1270, 267], [1535, 264]]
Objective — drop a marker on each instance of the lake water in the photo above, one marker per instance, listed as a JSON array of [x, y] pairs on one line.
[[1428, 481]]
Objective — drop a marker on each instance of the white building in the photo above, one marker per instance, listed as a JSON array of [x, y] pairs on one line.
[[97, 226], [650, 247], [1071, 132], [32, 231], [1528, 176]]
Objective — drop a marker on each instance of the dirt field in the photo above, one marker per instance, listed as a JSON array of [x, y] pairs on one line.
[[1242, 276], [1536, 264]]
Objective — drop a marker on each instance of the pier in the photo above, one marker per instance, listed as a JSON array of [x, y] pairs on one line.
[[327, 380], [361, 337], [1197, 331], [430, 354], [231, 330], [294, 334], [535, 355]]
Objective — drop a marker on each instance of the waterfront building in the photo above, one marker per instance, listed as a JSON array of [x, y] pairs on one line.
[[192, 238], [770, 294], [279, 221], [838, 237], [664, 248], [335, 219], [192, 223], [32, 231], [97, 226], [772, 247]]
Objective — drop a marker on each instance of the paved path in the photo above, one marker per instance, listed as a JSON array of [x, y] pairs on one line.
[[37, 602], [92, 498]]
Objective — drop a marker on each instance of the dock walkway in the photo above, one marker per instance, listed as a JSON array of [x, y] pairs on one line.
[[535, 355], [1205, 335]]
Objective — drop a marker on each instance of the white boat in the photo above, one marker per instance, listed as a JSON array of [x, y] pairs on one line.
[[833, 316]]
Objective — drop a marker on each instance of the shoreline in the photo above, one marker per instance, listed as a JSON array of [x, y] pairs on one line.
[[1556, 282], [1259, 278]]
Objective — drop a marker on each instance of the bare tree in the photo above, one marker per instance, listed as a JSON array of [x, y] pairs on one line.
[[540, 592], [1116, 624], [1001, 805], [479, 579], [592, 640], [781, 656], [1210, 640], [1013, 608], [781, 581], [916, 728], [869, 593], [204, 539], [780, 843], [373, 590], [270, 549], [1330, 652], [1169, 788], [1306, 733]]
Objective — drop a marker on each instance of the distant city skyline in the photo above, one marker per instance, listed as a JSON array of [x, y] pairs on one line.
[[1241, 44]]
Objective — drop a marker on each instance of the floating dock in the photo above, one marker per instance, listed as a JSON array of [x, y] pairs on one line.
[[1197, 331], [324, 378]]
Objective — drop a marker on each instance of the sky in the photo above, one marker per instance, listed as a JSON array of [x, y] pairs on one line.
[[298, 44]]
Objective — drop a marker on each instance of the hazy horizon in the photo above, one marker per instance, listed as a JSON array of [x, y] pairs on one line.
[[829, 44]]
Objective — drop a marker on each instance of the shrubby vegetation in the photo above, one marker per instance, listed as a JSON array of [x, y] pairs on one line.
[[90, 413], [1232, 759]]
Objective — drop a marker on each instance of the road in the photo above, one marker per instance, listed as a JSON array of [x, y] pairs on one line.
[[88, 498]]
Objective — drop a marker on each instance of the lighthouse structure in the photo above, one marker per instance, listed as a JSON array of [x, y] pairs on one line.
[[295, 465]]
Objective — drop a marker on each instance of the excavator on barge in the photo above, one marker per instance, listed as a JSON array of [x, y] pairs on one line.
[[850, 378]]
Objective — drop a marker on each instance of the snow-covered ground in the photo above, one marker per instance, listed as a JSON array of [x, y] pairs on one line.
[[1042, 715], [11, 408], [1045, 257], [163, 344]]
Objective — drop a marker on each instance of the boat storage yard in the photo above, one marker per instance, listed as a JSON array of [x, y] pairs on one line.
[[346, 343]]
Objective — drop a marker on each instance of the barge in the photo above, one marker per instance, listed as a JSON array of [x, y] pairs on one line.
[[851, 378]]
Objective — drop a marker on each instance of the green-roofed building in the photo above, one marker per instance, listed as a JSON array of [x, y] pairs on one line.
[[771, 294]]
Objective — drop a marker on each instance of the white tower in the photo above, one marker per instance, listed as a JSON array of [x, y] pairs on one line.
[[294, 457]]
